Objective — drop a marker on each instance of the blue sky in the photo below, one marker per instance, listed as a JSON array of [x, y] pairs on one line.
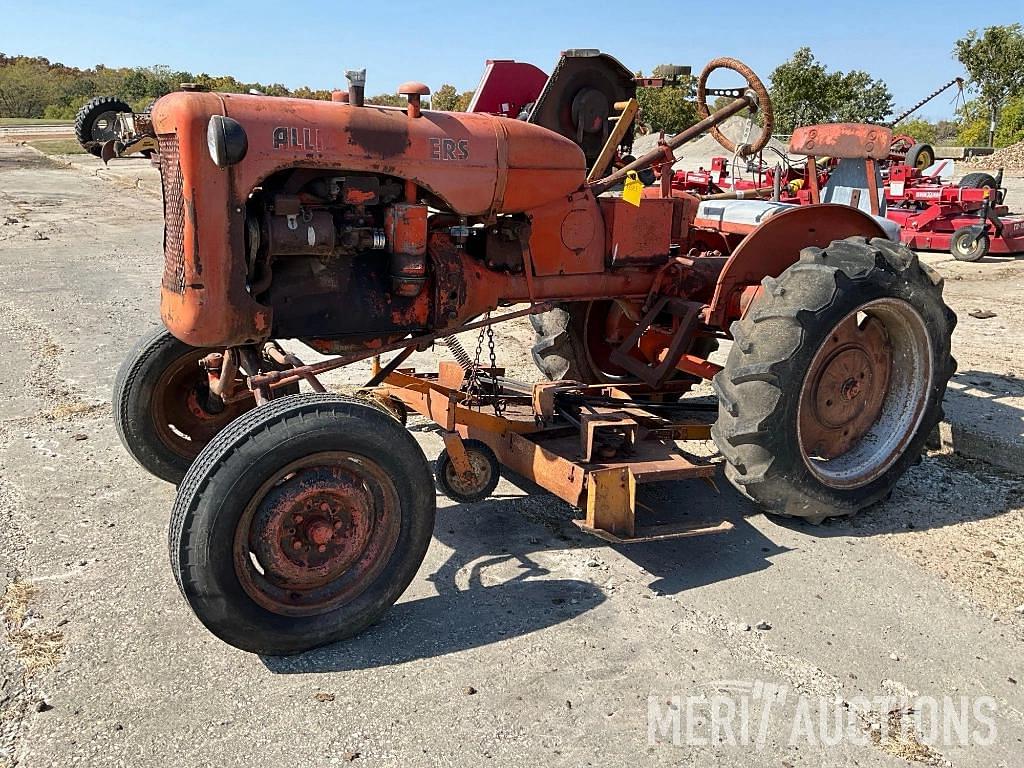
[[301, 42]]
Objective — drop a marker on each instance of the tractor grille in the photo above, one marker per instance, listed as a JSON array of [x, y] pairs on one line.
[[174, 215]]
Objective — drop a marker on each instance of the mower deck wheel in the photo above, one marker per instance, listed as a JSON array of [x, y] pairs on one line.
[[966, 247], [301, 523], [978, 180], [486, 472]]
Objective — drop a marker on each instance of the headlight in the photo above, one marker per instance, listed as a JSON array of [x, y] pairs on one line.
[[227, 140]]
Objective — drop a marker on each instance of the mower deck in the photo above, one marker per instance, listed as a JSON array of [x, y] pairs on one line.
[[589, 445]]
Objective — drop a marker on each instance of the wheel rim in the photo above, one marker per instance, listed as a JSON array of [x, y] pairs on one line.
[[605, 327], [185, 415], [482, 472], [104, 127], [865, 393], [317, 534], [964, 251]]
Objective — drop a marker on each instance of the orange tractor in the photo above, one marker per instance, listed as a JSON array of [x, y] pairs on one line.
[[361, 231]]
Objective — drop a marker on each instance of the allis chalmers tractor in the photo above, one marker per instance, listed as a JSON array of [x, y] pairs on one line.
[[362, 231]]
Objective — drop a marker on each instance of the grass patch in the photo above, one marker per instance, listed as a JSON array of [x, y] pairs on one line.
[[36, 649], [71, 409], [14, 121], [57, 146]]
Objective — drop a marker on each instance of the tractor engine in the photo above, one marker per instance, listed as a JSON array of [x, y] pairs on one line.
[[313, 219]]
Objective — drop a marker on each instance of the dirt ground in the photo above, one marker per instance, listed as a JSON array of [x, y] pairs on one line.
[[521, 641]]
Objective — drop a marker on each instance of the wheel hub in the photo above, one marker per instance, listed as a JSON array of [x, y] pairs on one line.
[[846, 387], [314, 537], [472, 483], [864, 393], [186, 415]]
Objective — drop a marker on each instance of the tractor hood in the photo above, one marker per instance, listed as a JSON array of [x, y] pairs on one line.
[[475, 164]]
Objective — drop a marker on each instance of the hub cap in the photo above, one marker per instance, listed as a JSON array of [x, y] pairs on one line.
[[316, 534], [864, 395]]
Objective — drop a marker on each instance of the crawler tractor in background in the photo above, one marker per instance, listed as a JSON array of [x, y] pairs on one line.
[[369, 232]]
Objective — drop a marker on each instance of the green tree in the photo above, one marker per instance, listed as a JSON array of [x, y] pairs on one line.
[[669, 109], [32, 86], [385, 100], [993, 62], [26, 89], [445, 98], [804, 92], [922, 131], [463, 102]]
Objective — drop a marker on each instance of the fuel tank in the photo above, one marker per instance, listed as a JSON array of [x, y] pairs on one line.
[[477, 164]]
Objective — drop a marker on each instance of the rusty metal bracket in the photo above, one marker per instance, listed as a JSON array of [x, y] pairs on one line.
[[611, 502], [272, 351], [457, 453], [655, 375], [594, 426]]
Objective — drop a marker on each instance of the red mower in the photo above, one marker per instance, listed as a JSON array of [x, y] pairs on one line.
[[969, 219]]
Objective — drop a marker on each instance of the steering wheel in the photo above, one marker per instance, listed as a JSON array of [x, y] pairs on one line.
[[764, 104]]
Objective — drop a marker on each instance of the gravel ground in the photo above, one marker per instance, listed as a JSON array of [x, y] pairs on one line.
[[520, 641]]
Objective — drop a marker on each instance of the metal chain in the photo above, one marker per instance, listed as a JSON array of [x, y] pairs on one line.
[[495, 388], [473, 371]]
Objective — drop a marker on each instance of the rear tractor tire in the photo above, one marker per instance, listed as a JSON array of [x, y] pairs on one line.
[[164, 412], [301, 523], [835, 379]]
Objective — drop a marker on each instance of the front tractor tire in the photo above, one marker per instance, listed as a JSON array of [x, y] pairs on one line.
[[835, 379], [301, 523], [164, 412]]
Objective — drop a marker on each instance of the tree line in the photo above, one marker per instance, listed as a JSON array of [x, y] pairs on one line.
[[803, 90]]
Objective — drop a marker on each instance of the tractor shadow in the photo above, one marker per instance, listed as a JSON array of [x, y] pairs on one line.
[[510, 566]]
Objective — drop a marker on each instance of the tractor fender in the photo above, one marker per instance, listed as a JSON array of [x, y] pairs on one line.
[[776, 244]]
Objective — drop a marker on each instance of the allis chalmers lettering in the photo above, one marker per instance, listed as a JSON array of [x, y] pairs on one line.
[[297, 138], [449, 149]]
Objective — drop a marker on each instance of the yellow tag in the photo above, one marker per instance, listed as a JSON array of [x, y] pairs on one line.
[[632, 188]]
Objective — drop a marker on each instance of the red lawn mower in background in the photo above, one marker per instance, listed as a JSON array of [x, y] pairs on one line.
[[969, 219]]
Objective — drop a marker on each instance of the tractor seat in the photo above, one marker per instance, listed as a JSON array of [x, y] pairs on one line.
[[741, 217]]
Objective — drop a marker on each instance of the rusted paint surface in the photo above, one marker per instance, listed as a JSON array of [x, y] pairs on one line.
[[845, 387], [843, 140], [637, 234], [776, 244], [214, 308]]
